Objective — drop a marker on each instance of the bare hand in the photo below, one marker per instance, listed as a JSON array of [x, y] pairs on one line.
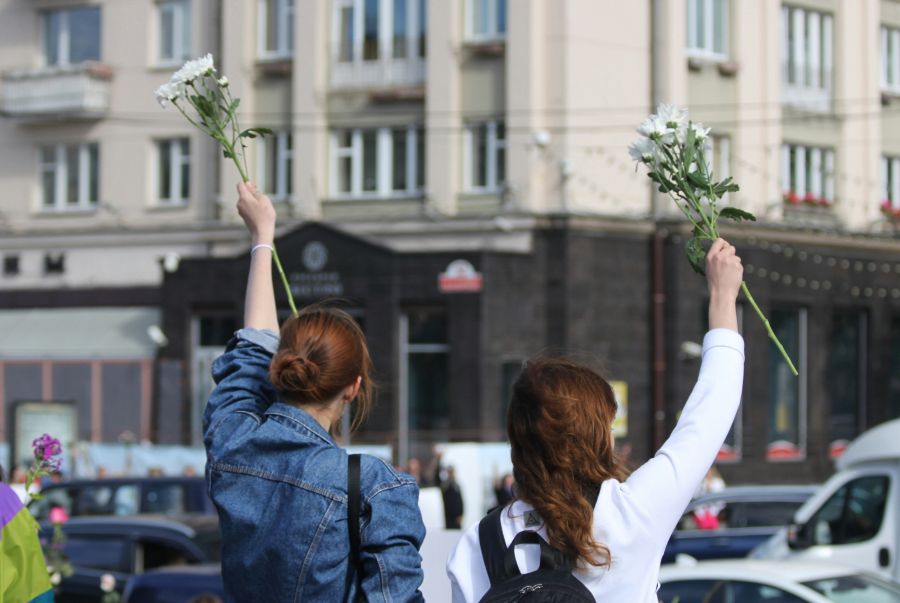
[[257, 212]]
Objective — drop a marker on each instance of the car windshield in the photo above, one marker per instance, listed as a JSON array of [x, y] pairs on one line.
[[856, 589]]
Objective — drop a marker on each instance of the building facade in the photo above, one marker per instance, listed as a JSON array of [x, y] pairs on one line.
[[423, 132]]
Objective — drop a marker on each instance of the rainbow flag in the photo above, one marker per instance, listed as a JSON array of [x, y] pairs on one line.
[[23, 574]]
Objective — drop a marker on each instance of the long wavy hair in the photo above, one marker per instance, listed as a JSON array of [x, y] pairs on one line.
[[560, 428]]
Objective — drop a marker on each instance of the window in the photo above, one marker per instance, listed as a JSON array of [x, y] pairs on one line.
[[166, 499], [890, 182], [54, 263], [708, 28], [174, 180], [890, 59], [427, 364], [275, 164], [846, 374], [100, 552], [807, 174], [806, 57], [486, 19], [72, 35], [70, 177], [718, 157], [853, 514], [485, 162], [10, 265], [174, 31], [276, 29], [378, 163], [787, 393], [379, 30], [894, 379]]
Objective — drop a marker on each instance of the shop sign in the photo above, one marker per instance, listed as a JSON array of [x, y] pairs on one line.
[[620, 423], [460, 277], [316, 281]]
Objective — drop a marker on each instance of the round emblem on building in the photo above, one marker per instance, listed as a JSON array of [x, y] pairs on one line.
[[315, 256]]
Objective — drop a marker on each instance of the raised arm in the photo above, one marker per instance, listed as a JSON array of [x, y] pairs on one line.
[[662, 487], [258, 214], [241, 373]]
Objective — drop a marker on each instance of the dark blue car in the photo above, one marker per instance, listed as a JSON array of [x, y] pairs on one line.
[[745, 517], [177, 584]]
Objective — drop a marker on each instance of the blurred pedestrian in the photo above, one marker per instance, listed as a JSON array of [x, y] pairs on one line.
[[277, 477], [414, 468], [609, 532], [453, 501], [504, 489]]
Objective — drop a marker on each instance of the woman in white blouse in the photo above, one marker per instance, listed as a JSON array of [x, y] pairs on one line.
[[560, 430]]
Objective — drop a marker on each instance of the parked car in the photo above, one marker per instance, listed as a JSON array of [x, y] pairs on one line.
[[745, 517], [176, 584], [125, 496], [854, 518], [128, 546], [772, 582]]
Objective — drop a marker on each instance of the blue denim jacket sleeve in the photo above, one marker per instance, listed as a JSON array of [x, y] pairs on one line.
[[390, 542], [242, 379]]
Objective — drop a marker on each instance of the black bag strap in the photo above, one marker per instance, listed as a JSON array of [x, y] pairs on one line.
[[493, 545], [500, 560], [353, 488]]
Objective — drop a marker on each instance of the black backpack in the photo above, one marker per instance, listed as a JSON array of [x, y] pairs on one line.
[[552, 582]]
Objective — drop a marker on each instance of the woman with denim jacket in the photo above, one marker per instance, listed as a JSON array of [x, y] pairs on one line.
[[275, 474]]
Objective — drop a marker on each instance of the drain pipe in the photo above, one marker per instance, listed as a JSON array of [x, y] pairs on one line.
[[658, 311]]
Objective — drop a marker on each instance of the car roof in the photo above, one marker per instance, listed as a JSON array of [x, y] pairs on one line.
[[118, 481], [187, 525], [877, 444], [793, 570], [748, 493]]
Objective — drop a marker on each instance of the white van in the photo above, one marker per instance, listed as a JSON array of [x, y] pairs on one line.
[[853, 518]]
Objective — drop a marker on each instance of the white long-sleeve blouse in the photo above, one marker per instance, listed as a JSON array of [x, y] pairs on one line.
[[634, 518]]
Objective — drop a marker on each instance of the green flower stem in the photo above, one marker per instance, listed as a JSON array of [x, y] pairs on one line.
[[769, 330], [284, 281]]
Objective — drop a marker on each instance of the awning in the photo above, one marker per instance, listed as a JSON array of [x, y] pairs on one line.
[[77, 333]]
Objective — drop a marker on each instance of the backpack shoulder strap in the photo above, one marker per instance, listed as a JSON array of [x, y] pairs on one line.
[[493, 546], [353, 488]]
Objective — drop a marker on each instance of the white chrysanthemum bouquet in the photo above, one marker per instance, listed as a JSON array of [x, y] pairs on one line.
[[674, 150], [196, 86]]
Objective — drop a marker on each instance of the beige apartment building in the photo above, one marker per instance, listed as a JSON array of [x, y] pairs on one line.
[[444, 127]]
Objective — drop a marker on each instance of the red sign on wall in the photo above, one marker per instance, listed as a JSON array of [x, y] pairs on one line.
[[460, 277]]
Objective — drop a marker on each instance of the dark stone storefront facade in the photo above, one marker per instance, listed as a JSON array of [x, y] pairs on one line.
[[617, 295]]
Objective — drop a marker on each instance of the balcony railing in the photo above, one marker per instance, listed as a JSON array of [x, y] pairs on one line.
[[400, 73], [806, 87], [80, 91]]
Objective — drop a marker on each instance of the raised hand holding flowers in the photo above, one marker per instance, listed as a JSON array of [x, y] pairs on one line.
[[674, 150], [197, 86]]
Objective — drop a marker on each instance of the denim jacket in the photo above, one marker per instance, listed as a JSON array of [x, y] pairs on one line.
[[279, 483]]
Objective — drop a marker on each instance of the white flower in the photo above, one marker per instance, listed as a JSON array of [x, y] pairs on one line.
[[194, 69], [653, 127], [222, 81], [643, 150], [107, 583], [674, 117], [55, 578], [700, 133], [170, 91]]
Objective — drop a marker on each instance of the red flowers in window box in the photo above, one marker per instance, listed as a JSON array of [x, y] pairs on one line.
[[792, 198], [888, 209]]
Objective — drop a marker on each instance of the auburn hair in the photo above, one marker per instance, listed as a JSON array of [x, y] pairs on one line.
[[323, 351], [560, 429]]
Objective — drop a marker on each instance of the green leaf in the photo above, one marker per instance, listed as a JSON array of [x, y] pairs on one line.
[[226, 154], [698, 179], [247, 134], [733, 213], [696, 255], [689, 148], [234, 105]]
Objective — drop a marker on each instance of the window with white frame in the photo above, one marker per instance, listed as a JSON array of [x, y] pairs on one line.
[[174, 31], [807, 174], [718, 156], [890, 182], [707, 28], [70, 176], [71, 35], [890, 59], [379, 30], [486, 19], [276, 29], [383, 162], [806, 48], [484, 146], [275, 161], [174, 171]]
